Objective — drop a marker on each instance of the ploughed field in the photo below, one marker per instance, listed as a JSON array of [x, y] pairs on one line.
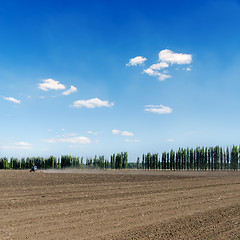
[[124, 204]]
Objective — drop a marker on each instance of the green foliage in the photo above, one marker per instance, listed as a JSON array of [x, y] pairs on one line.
[[234, 158], [216, 158], [164, 161], [143, 161], [200, 158], [138, 163]]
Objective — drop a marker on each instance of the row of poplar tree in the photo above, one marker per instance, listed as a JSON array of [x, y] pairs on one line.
[[200, 158], [118, 161]]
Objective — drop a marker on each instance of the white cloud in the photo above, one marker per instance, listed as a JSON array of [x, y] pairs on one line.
[[69, 135], [72, 134], [166, 57], [132, 140], [115, 131], [160, 76], [170, 140], [72, 89], [92, 103], [79, 140], [123, 133], [154, 68], [159, 66], [11, 99], [169, 56], [51, 140], [19, 145], [23, 144], [136, 61], [126, 133], [50, 84], [159, 109], [94, 133]]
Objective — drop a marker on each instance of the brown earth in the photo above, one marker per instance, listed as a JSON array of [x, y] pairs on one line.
[[75, 204]]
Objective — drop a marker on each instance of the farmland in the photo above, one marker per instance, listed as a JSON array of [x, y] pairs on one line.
[[119, 204]]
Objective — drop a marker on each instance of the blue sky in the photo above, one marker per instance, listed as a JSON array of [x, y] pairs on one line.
[[77, 77]]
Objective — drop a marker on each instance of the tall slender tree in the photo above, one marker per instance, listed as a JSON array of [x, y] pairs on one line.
[[148, 160], [191, 160], [216, 158], [221, 158], [138, 163], [225, 160], [188, 157], [168, 167], [164, 161], [234, 158], [184, 159], [143, 162], [212, 158], [206, 159], [173, 160], [228, 162]]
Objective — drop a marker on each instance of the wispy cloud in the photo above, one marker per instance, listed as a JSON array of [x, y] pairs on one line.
[[136, 61], [94, 133], [50, 84], [126, 133], [72, 89], [91, 103], [132, 140], [78, 140], [115, 131], [159, 109], [161, 76], [170, 140], [123, 133], [19, 145], [11, 99], [24, 145], [70, 134]]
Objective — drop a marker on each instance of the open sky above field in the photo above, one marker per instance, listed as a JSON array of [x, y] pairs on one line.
[[101, 77]]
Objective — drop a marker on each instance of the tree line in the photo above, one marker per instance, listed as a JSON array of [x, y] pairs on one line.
[[118, 161], [200, 158]]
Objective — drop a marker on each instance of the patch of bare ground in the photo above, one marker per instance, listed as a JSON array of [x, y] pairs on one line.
[[76, 204]]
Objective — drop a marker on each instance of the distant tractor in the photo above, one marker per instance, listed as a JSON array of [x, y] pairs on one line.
[[33, 169]]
